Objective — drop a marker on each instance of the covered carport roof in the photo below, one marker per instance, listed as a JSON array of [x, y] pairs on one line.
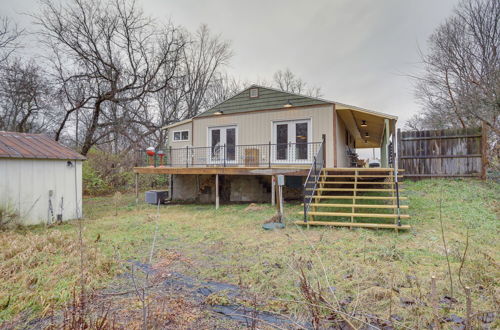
[[353, 118]]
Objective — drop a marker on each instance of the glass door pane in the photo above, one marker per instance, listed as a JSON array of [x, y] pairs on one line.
[[231, 144], [282, 141], [301, 141], [215, 144]]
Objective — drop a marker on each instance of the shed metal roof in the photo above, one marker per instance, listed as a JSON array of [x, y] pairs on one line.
[[34, 146]]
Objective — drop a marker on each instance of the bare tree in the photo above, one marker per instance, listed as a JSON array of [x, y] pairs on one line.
[[203, 57], [461, 83], [220, 89], [287, 81], [25, 98], [9, 38], [116, 53]]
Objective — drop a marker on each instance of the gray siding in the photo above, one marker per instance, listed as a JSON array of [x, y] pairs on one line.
[[267, 99]]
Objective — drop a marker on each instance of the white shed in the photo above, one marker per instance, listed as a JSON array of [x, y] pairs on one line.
[[40, 179]]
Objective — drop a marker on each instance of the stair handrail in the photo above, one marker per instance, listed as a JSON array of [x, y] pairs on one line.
[[319, 160]]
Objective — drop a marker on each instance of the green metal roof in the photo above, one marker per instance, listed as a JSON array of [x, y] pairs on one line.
[[268, 98]]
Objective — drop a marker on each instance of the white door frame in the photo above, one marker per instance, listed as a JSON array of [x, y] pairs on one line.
[[291, 155], [223, 140]]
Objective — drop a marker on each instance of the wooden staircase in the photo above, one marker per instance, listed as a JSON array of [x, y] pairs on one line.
[[356, 197]]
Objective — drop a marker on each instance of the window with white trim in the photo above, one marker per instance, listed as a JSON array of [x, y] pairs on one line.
[[181, 135]]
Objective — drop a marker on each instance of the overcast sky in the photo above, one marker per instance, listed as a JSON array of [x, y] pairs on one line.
[[358, 52]]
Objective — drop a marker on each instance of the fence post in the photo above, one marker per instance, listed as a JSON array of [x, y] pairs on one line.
[[224, 154], [484, 150], [269, 154], [187, 156]]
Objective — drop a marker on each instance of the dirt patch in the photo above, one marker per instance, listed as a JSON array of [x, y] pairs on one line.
[[163, 298], [254, 207]]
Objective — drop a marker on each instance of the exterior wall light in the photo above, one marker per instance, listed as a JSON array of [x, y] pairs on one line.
[[363, 123], [219, 112], [288, 104]]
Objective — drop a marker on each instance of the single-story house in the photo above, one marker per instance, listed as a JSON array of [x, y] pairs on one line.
[[40, 179], [234, 149]]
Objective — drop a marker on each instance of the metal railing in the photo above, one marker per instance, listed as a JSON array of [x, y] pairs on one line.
[[250, 155], [312, 179]]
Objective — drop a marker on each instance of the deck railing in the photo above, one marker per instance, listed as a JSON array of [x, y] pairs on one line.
[[250, 155]]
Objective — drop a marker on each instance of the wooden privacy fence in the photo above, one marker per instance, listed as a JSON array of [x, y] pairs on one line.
[[443, 153]]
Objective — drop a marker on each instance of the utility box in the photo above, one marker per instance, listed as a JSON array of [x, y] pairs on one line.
[[281, 180], [156, 196]]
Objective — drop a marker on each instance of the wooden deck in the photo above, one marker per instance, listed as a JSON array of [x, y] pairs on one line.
[[298, 170]]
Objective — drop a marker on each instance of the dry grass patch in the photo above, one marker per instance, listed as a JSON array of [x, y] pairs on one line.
[[359, 271], [38, 267]]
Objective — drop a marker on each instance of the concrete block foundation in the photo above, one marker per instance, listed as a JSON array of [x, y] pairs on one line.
[[232, 188]]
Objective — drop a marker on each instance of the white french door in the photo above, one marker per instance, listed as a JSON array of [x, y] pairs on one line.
[[290, 139], [222, 143]]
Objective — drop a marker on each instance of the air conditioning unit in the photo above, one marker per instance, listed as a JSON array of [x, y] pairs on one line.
[[156, 196]]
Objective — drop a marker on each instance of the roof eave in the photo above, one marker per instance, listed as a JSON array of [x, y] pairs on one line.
[[185, 121]]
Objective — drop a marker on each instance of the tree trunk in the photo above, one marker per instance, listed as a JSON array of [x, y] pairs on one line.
[[89, 136], [62, 125]]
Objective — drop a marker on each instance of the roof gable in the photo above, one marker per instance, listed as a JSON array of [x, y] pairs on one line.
[[268, 98], [33, 146]]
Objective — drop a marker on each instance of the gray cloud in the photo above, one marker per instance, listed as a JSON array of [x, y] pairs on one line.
[[358, 51]]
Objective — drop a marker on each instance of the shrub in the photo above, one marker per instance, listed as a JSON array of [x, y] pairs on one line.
[[105, 173], [7, 216]]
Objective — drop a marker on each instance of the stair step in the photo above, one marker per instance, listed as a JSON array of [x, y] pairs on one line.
[[355, 189], [359, 176], [361, 169], [353, 224], [367, 206], [359, 182], [357, 197], [358, 215]]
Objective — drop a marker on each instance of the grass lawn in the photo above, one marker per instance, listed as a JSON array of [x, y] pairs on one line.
[[365, 271]]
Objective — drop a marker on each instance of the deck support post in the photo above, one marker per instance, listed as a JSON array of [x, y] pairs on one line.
[[217, 191], [136, 189]]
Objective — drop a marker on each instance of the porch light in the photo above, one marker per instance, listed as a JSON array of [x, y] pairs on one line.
[[363, 123], [367, 135], [366, 141], [288, 104], [220, 112]]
